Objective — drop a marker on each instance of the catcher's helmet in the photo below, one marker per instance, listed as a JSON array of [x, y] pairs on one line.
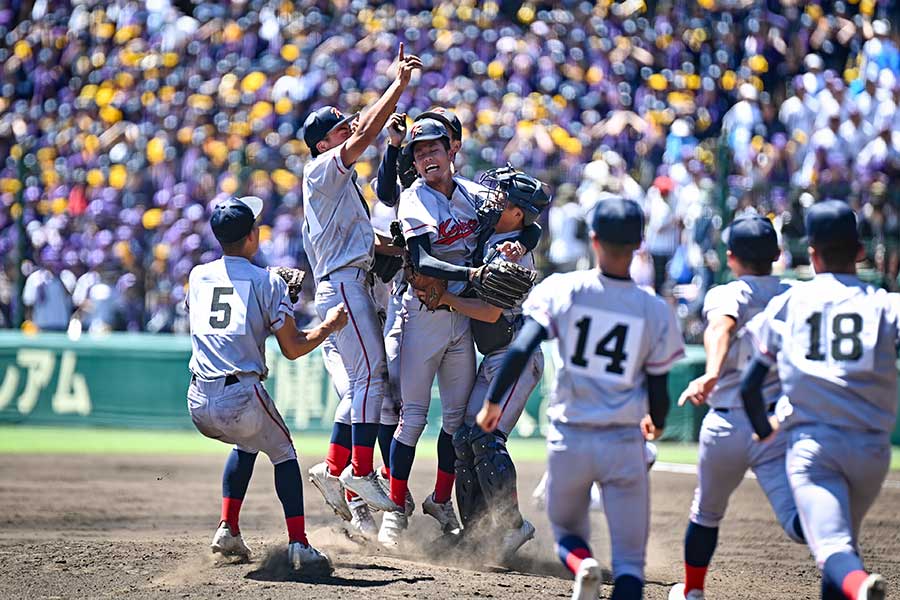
[[521, 189]]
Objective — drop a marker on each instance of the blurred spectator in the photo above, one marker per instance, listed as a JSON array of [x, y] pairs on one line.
[[47, 299]]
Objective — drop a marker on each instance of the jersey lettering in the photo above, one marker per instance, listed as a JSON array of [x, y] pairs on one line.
[[837, 339], [219, 309], [614, 338]]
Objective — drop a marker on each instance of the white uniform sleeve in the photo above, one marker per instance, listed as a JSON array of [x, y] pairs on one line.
[[279, 305], [722, 300], [29, 292], [666, 339], [414, 216], [766, 329], [328, 175], [542, 304]]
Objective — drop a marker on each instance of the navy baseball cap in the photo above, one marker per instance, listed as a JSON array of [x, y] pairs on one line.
[[320, 123], [752, 237], [831, 221], [233, 219], [447, 117], [425, 130], [618, 221]]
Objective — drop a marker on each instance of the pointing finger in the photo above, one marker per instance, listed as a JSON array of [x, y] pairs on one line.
[[400, 54]]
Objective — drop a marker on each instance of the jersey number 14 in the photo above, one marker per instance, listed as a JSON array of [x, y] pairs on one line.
[[612, 346]]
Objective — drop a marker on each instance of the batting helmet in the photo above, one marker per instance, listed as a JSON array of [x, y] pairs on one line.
[[521, 189], [447, 117]]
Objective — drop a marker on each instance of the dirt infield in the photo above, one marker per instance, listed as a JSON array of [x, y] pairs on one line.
[[135, 526]]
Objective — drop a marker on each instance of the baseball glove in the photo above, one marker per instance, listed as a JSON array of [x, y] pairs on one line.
[[293, 278], [428, 289], [503, 283]]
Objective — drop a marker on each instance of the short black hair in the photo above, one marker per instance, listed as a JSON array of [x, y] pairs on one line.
[[838, 253], [444, 142], [756, 266], [235, 247], [618, 249]]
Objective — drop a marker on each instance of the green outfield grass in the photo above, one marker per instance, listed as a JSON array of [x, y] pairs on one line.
[[67, 440]]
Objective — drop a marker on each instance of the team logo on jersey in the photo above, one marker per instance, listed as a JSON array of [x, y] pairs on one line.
[[337, 113], [451, 230]]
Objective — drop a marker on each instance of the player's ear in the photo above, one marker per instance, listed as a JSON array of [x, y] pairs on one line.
[[321, 147]]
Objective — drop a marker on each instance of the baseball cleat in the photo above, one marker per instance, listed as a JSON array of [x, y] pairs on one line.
[[515, 539], [331, 489], [873, 588], [393, 524], [362, 521], [677, 593], [228, 544], [587, 581], [650, 454], [444, 514], [367, 488], [385, 484], [304, 557]]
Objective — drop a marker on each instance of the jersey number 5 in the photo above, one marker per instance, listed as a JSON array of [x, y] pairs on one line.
[[218, 306], [612, 346], [846, 343]]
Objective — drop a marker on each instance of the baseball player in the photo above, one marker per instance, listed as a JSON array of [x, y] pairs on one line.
[[834, 340], [727, 447], [440, 223], [341, 243], [485, 474], [396, 173], [233, 306], [617, 343]]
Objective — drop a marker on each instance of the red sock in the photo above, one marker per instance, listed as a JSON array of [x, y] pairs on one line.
[[574, 558], [385, 472], [296, 527], [850, 584], [443, 486], [350, 496], [337, 459], [362, 460], [694, 578], [231, 509], [398, 491]]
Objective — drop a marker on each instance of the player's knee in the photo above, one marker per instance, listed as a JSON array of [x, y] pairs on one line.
[[408, 433], [486, 444], [462, 446], [281, 454]]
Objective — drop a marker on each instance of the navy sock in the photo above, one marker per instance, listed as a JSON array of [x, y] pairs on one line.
[[289, 487], [835, 571], [236, 477], [342, 435], [445, 453], [700, 544], [364, 434], [385, 437], [627, 587], [572, 550], [401, 460]]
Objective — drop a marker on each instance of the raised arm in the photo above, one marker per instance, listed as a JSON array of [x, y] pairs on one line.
[[373, 120]]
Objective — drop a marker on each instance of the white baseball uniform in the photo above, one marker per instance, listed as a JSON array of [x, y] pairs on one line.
[[727, 448], [436, 342], [835, 342], [611, 335], [339, 240], [233, 307]]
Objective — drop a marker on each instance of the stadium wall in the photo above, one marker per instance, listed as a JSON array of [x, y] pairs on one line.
[[140, 380]]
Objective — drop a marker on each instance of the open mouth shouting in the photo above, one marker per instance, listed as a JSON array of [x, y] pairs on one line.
[[431, 168]]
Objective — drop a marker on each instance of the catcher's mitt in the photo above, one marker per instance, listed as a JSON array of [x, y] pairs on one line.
[[293, 278], [503, 283]]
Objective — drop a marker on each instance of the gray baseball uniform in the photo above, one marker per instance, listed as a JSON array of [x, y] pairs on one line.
[[234, 306], [436, 342], [339, 240], [835, 342], [611, 335], [727, 448], [515, 400]]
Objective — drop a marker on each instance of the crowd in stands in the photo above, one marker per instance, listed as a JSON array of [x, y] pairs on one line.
[[123, 123]]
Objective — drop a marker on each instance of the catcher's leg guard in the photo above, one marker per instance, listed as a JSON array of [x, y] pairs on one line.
[[497, 475], [469, 497]]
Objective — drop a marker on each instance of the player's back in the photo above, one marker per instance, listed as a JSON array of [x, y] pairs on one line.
[[835, 339], [741, 299], [233, 306], [611, 334]]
